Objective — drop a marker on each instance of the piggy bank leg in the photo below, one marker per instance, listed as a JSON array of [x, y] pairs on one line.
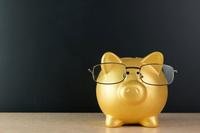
[[150, 121], [113, 122]]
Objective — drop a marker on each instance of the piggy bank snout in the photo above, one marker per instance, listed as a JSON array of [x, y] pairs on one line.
[[132, 92]]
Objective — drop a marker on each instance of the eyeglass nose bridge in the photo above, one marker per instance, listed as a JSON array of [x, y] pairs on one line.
[[133, 67], [138, 72]]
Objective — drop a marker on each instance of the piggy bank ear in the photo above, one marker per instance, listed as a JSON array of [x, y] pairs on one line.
[[109, 57], [154, 58]]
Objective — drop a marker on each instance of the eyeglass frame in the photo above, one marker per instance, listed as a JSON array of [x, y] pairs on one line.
[[125, 74]]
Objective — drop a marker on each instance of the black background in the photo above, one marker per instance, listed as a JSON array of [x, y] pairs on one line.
[[47, 46]]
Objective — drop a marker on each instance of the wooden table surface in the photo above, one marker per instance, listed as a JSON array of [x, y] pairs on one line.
[[92, 123]]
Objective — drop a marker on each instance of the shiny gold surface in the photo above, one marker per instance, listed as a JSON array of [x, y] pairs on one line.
[[132, 101]]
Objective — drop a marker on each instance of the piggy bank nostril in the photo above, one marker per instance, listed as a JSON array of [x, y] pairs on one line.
[[137, 91], [132, 90], [133, 94], [127, 90]]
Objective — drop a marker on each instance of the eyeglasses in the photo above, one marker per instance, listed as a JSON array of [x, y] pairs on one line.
[[152, 74]]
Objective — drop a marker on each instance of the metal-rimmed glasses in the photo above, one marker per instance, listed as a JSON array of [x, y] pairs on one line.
[[151, 74]]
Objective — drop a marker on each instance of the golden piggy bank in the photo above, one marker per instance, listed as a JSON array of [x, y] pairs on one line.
[[132, 90]]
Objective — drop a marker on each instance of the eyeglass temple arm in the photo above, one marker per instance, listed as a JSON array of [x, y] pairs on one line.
[[90, 70], [176, 71]]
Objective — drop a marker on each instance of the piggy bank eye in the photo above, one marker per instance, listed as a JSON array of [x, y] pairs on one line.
[[127, 72]]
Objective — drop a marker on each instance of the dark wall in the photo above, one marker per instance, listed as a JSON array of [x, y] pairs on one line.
[[47, 46]]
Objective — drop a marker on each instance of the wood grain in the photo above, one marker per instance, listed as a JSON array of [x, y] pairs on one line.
[[92, 123]]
